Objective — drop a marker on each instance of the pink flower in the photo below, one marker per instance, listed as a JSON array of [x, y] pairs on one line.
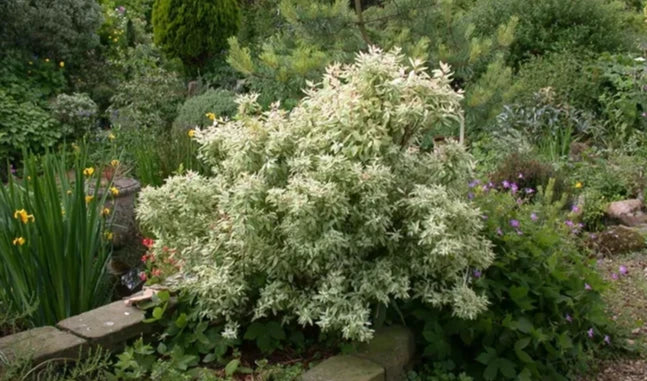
[[623, 270], [568, 318], [515, 223], [506, 184], [142, 276], [590, 333], [607, 339], [156, 272], [533, 216], [587, 287], [148, 242], [614, 276], [499, 231], [575, 209]]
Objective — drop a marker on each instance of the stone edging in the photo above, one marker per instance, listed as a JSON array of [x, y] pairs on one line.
[[109, 326]]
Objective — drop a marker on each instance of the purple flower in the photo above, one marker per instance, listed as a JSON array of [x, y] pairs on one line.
[[575, 209], [533, 216], [476, 274], [569, 223], [614, 276], [470, 195], [568, 318], [590, 333], [514, 223], [607, 339], [473, 183], [499, 231], [587, 287], [506, 184], [490, 184], [485, 188], [514, 188], [623, 270], [529, 191]]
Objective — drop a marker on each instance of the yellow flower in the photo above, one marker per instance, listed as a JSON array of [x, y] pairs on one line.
[[61, 64], [112, 137], [105, 212], [211, 116], [46, 59], [23, 216], [19, 241], [89, 199], [114, 163], [69, 191], [88, 171], [115, 39], [108, 236], [191, 133], [578, 185], [31, 63], [114, 191]]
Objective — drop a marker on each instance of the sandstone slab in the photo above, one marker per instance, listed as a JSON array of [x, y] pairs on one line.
[[109, 326], [41, 344], [345, 368]]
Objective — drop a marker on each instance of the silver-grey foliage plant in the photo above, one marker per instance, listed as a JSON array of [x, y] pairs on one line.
[[320, 214]]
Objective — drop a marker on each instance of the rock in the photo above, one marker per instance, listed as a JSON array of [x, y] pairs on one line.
[[391, 347], [109, 326], [617, 209], [41, 344], [345, 368], [618, 240]]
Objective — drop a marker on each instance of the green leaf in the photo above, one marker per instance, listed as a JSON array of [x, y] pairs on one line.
[[507, 367], [158, 312], [491, 371], [524, 325], [209, 358], [253, 331], [231, 367], [275, 330], [181, 321]]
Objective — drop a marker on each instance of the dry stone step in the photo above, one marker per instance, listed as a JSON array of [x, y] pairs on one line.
[[345, 368], [41, 344], [109, 326]]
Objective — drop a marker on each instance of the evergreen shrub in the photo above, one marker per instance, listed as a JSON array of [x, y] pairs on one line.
[[194, 30]]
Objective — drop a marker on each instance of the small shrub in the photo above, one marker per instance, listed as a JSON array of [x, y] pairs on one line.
[[528, 174], [617, 240], [24, 125], [554, 25], [194, 30], [58, 29], [77, 113], [550, 125], [193, 113], [320, 214], [546, 317]]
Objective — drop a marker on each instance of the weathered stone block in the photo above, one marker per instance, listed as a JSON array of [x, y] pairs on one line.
[[345, 368], [109, 326], [42, 344], [124, 227], [392, 348]]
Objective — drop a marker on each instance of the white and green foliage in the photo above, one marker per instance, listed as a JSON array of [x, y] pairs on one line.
[[322, 213], [77, 113]]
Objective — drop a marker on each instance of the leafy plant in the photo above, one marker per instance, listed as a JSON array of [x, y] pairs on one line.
[[195, 111], [77, 112], [323, 213], [24, 125], [194, 30], [51, 225], [546, 317]]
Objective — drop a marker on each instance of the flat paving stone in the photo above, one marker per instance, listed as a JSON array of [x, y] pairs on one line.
[[109, 326], [345, 368], [42, 344]]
